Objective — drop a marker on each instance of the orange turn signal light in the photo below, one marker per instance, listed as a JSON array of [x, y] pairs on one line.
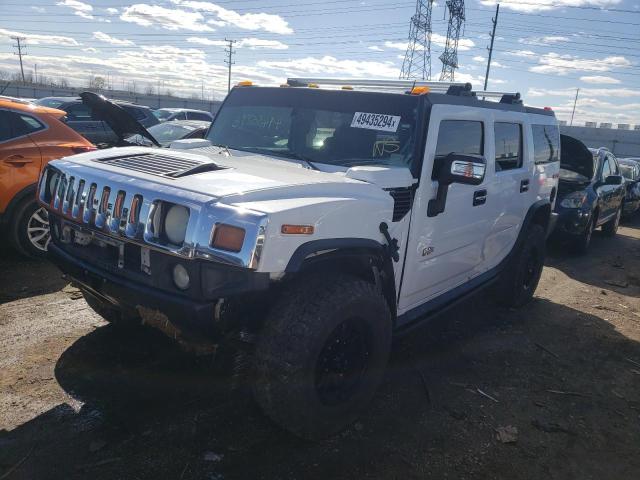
[[244, 83], [347, 87], [420, 90], [297, 229], [313, 85], [227, 237]]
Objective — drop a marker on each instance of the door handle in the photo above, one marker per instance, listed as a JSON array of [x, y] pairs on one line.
[[524, 186], [17, 160], [479, 197]]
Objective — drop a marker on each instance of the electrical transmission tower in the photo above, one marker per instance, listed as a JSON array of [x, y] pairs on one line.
[[417, 59], [229, 61], [449, 57], [19, 46]]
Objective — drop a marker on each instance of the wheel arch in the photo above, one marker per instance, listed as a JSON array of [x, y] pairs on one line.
[[7, 216], [361, 257]]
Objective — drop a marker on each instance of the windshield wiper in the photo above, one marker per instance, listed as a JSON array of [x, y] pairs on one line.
[[299, 156], [287, 154], [224, 148]]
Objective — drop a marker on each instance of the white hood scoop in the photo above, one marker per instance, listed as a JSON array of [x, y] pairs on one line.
[[163, 165]]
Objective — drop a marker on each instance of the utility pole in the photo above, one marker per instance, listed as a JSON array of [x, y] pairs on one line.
[[229, 61], [35, 72], [229, 51], [493, 36], [449, 57], [19, 46], [575, 101], [202, 89]]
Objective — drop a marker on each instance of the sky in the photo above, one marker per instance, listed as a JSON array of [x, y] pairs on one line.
[[545, 49]]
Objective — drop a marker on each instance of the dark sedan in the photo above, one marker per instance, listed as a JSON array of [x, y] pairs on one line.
[[630, 170], [590, 193]]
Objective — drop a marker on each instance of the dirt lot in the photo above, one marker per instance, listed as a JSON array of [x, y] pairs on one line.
[[81, 400]]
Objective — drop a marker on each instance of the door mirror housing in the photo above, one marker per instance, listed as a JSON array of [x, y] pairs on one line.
[[614, 180], [454, 168]]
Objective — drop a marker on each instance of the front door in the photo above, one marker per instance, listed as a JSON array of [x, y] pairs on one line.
[[445, 250]]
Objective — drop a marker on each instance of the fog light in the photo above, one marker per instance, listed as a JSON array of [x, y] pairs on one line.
[[181, 277]]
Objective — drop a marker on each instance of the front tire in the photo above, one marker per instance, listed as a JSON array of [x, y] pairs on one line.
[[581, 244], [611, 227], [322, 353], [29, 231], [521, 279]]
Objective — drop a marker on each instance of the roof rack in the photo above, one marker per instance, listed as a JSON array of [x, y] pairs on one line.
[[450, 88]]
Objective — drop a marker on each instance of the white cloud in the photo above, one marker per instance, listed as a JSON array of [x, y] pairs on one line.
[[250, 43], [542, 5], [112, 11], [570, 92], [436, 39], [247, 21], [103, 37], [554, 63], [545, 40], [375, 48], [329, 65], [600, 79], [170, 19], [39, 9], [79, 8], [90, 50], [479, 58], [35, 39]]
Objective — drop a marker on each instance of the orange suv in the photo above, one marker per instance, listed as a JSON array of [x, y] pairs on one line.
[[30, 136]]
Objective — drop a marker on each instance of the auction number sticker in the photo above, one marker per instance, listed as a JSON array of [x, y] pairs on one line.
[[375, 121]]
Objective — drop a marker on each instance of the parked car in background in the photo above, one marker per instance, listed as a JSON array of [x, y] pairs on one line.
[[590, 193], [167, 132], [630, 170], [170, 114], [90, 124], [30, 136]]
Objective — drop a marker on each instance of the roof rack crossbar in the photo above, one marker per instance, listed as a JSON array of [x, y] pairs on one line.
[[399, 84]]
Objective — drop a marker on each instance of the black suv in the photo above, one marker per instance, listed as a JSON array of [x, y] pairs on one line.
[[590, 193]]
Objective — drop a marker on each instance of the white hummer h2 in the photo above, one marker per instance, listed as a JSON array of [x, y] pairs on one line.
[[313, 223]]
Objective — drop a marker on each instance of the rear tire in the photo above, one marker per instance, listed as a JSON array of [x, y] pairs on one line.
[[322, 354], [521, 279], [582, 243], [29, 229], [611, 227]]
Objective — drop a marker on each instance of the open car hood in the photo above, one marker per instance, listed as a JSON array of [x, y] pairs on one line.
[[576, 157], [120, 121]]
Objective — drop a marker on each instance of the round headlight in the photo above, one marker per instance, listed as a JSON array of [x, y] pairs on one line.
[[175, 224], [181, 277]]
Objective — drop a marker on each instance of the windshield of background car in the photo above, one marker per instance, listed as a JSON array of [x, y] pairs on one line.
[[342, 128], [162, 114], [50, 102], [169, 131], [627, 171]]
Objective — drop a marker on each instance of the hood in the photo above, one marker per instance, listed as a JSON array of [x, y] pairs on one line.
[[576, 161], [120, 121], [240, 177]]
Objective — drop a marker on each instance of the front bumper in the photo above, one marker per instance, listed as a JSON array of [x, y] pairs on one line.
[[138, 294], [571, 222]]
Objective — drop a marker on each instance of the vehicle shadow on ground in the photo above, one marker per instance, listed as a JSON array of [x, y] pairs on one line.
[[29, 277], [151, 411], [610, 263]]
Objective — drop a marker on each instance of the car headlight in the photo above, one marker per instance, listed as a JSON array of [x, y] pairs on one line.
[[175, 224], [574, 200]]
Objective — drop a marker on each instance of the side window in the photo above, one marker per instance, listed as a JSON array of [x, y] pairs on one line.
[[508, 145], [78, 112], [29, 124], [180, 116], [5, 125], [199, 116], [460, 136], [546, 143], [615, 170], [606, 168]]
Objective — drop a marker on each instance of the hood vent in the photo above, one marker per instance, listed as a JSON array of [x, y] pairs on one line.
[[402, 201], [163, 165]]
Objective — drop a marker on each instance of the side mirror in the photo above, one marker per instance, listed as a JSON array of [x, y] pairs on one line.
[[614, 180], [454, 168]]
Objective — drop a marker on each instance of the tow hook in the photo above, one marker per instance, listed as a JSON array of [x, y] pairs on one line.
[[392, 243]]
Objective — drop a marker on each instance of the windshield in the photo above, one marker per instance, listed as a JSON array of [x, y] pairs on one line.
[[162, 114], [168, 132], [627, 171], [50, 102], [341, 128]]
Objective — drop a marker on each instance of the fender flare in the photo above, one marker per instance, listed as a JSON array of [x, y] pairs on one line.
[[7, 216]]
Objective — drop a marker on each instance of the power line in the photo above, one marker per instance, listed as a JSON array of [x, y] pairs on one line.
[[229, 60]]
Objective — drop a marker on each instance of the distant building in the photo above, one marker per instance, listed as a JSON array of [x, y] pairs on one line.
[[624, 126], [591, 124], [562, 122], [605, 125]]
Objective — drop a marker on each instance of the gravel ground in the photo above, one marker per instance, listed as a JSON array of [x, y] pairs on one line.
[[549, 391]]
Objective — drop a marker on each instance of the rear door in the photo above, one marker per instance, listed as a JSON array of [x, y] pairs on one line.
[[445, 251], [20, 158]]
